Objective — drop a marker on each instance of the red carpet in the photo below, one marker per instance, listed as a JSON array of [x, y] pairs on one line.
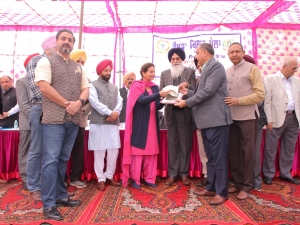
[[278, 203]]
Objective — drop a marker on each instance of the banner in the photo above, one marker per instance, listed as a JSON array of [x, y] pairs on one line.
[[162, 45]]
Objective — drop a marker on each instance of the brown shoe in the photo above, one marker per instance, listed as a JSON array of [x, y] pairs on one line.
[[112, 182], [185, 180], [242, 195], [101, 186], [217, 200], [232, 189], [203, 182], [170, 181], [204, 193], [36, 196]]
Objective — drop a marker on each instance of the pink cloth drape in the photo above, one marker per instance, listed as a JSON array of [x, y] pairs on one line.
[[9, 141]]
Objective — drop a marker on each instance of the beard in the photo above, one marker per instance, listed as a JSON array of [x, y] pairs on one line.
[[176, 70], [65, 48], [105, 77]]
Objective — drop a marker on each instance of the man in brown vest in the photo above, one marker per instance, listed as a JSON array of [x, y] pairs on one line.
[[65, 89], [245, 89]]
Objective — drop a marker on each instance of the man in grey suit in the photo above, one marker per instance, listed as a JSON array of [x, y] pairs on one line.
[[179, 121], [23, 98], [212, 116], [283, 114], [128, 78]]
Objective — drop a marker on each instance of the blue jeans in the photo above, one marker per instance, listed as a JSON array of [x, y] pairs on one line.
[[35, 151], [57, 148]]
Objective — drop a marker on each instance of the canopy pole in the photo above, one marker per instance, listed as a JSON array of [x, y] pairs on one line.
[[120, 61], [81, 24]]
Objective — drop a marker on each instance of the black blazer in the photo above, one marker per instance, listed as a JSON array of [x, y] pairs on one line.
[[141, 115], [123, 94]]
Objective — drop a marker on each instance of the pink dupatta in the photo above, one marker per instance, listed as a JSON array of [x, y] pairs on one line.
[[137, 88]]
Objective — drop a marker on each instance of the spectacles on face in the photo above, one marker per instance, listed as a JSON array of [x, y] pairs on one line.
[[294, 67]]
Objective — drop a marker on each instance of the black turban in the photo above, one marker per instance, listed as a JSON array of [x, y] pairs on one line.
[[178, 52]]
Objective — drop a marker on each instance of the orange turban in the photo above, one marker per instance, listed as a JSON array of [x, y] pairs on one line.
[[28, 59], [78, 54], [102, 65]]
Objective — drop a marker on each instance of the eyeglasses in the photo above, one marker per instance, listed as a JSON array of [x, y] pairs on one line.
[[294, 67]]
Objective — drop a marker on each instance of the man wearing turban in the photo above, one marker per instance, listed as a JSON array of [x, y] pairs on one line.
[[179, 121], [77, 154], [106, 105], [23, 99], [79, 56], [36, 140], [128, 78]]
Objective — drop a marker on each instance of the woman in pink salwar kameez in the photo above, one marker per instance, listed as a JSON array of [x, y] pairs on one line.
[[142, 130]]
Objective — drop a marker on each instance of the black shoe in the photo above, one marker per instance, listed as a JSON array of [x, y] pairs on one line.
[[68, 203], [52, 214], [267, 180], [291, 180], [24, 186]]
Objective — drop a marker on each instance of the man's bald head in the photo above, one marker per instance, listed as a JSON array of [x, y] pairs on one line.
[[289, 66], [6, 82]]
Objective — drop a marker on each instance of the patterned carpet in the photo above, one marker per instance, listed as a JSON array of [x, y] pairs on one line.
[[278, 203]]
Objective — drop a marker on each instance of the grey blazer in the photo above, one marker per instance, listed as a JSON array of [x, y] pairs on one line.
[[23, 98], [207, 101], [188, 75]]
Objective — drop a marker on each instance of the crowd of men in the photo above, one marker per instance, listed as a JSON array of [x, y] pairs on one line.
[[226, 107]]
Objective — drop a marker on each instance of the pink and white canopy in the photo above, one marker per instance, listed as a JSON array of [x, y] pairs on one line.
[[148, 16]]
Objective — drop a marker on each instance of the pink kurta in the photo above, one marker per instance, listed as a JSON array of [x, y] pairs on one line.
[[146, 159], [152, 142]]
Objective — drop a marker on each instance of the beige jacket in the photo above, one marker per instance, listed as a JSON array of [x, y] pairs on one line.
[[276, 98]]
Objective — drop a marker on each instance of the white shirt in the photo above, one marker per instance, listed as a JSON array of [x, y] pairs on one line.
[[127, 91], [288, 86], [14, 110]]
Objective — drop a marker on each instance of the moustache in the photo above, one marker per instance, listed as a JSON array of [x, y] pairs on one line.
[[65, 45], [130, 82]]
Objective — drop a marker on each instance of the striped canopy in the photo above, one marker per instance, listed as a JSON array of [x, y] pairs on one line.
[[148, 16]]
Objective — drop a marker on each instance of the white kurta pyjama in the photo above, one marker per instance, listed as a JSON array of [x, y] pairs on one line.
[[103, 136]]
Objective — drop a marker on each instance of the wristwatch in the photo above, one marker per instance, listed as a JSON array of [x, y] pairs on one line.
[[82, 101]]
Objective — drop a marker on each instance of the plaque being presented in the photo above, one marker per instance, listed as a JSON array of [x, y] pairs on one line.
[[172, 96]]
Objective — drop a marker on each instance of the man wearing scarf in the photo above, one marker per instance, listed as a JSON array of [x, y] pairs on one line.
[[23, 97], [179, 121], [106, 105]]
